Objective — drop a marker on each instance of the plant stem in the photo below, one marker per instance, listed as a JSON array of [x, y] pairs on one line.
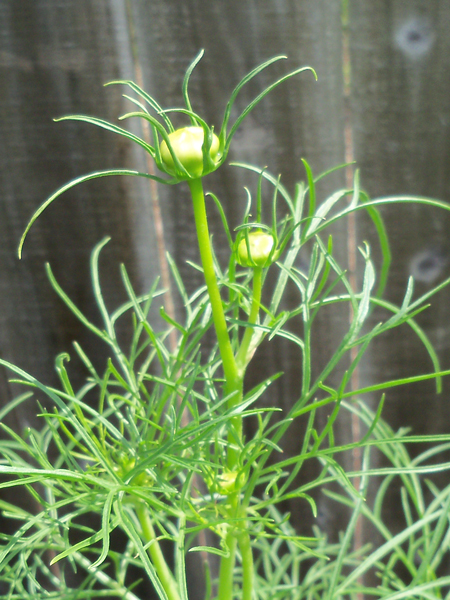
[[154, 549], [201, 222], [226, 574], [233, 379], [234, 370], [247, 565], [242, 358]]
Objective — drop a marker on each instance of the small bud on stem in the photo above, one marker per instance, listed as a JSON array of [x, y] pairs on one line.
[[187, 144]]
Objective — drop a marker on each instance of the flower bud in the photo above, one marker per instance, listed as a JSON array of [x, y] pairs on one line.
[[260, 245], [125, 465], [227, 482], [187, 145]]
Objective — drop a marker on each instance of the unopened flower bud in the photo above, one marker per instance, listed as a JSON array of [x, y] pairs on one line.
[[227, 482], [187, 145], [260, 245]]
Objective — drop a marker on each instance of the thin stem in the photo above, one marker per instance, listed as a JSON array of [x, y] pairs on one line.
[[233, 379], [226, 574], [242, 358], [223, 338], [154, 549], [306, 369], [247, 565]]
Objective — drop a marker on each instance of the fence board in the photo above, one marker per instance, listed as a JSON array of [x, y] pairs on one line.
[[400, 120], [54, 59], [400, 113]]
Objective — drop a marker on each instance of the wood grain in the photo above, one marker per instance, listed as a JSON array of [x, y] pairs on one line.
[[55, 57]]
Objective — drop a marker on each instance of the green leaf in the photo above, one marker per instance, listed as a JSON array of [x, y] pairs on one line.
[[311, 189], [75, 182], [68, 302], [256, 101], [151, 101], [237, 89], [110, 127], [186, 83]]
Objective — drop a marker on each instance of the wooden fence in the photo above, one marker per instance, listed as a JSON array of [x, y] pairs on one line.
[[382, 99]]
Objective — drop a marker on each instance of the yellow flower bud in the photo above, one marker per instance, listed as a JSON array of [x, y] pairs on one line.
[[187, 145], [260, 245]]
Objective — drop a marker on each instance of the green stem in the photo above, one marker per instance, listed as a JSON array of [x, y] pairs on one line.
[[154, 549], [306, 369], [247, 565], [226, 574], [233, 379], [242, 358], [223, 338]]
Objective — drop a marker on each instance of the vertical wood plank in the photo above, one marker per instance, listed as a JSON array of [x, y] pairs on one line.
[[400, 119], [401, 110], [54, 59]]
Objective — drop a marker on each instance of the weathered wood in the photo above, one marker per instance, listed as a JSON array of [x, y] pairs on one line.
[[400, 124], [54, 58], [63, 52], [400, 116]]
